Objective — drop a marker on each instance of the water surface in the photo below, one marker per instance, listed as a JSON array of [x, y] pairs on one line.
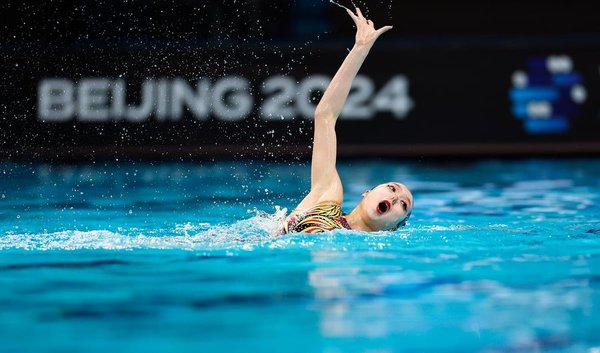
[[498, 256]]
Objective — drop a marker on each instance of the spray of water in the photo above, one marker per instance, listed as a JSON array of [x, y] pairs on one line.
[[340, 5], [363, 8], [245, 234]]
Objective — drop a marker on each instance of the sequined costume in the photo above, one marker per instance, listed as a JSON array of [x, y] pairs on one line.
[[322, 217]]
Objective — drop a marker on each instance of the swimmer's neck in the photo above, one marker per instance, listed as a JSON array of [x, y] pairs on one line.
[[356, 220]]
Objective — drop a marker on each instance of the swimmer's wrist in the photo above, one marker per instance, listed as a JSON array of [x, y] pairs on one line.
[[362, 48]]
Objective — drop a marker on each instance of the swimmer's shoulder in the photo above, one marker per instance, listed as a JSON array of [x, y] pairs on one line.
[[325, 206]]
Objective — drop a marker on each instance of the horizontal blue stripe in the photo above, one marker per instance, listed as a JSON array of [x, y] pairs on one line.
[[569, 79], [545, 126], [534, 93]]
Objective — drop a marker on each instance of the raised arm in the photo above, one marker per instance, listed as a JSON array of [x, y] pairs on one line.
[[325, 182]]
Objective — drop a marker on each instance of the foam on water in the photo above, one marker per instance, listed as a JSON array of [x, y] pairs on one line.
[[258, 231], [242, 234]]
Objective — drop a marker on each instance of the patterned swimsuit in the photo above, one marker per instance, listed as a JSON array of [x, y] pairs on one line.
[[322, 217]]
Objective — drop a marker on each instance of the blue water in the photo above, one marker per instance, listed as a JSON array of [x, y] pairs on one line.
[[499, 256]]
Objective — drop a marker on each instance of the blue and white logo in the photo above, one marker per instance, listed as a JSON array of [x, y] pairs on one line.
[[547, 95]]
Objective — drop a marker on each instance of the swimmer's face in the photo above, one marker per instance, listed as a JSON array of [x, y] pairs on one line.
[[387, 205]]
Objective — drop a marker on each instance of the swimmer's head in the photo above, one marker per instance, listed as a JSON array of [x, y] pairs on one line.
[[387, 206]]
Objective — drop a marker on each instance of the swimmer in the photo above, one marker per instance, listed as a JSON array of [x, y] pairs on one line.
[[384, 207]]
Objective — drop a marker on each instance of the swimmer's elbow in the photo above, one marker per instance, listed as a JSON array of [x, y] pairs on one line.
[[324, 114]]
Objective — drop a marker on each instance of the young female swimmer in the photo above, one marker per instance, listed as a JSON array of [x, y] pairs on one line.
[[384, 207]]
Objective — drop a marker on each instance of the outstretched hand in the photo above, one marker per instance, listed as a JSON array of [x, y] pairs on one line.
[[366, 34]]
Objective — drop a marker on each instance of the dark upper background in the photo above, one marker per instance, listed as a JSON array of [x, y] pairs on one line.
[[164, 23], [460, 99]]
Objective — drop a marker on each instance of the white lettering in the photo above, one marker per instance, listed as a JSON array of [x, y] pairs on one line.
[[279, 106], [92, 94], [55, 100], [183, 95], [393, 97], [117, 107], [240, 101], [143, 111], [228, 99], [162, 99]]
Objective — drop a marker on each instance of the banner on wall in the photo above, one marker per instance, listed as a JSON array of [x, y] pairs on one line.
[[403, 102]]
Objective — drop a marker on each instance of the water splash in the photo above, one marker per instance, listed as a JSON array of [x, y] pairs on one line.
[[244, 234], [340, 5], [257, 232], [364, 8]]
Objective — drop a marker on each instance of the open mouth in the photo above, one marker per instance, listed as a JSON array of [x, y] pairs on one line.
[[383, 206]]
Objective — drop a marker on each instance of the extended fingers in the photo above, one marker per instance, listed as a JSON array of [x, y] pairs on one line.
[[382, 30], [358, 18], [353, 16], [360, 15]]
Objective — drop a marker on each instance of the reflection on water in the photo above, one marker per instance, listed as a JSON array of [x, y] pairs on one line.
[[463, 297]]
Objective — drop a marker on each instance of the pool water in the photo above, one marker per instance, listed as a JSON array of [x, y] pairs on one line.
[[498, 256]]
